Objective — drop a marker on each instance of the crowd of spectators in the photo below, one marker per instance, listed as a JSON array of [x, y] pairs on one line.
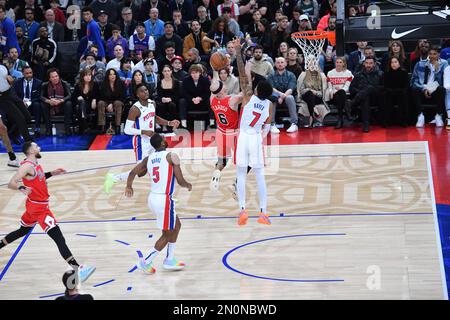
[[167, 45]]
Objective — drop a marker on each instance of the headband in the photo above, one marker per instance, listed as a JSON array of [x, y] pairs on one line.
[[219, 88]]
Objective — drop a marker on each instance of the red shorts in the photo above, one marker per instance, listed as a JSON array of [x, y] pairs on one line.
[[225, 143], [38, 213]]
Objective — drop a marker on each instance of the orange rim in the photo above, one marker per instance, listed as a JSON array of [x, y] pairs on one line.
[[315, 35]]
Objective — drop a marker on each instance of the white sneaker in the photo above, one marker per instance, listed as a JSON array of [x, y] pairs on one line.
[[84, 272], [13, 163], [420, 121], [274, 129], [292, 128], [215, 180], [439, 122]]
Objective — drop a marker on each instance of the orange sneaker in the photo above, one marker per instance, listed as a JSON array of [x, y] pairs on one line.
[[264, 219], [243, 217]]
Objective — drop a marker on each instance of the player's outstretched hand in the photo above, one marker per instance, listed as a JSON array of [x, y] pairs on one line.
[[174, 123], [128, 192], [58, 172]]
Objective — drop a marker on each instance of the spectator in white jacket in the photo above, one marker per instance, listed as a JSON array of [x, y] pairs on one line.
[[339, 80]]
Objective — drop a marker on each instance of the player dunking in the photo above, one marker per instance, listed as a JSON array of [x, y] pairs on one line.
[[141, 124], [163, 167], [34, 187], [254, 123], [226, 112]]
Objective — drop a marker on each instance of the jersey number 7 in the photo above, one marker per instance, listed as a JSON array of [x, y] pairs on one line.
[[155, 174], [255, 120]]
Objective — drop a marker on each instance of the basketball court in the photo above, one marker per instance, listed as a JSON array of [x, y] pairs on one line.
[[349, 221]]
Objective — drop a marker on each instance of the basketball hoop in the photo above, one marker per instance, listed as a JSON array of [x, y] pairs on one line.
[[311, 43]]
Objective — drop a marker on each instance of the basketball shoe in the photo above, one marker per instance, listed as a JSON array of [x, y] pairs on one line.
[[264, 219], [13, 163], [243, 217], [215, 180], [84, 272], [109, 183], [173, 264]]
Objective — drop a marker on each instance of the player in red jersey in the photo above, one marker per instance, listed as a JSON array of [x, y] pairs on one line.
[[31, 174], [225, 109]]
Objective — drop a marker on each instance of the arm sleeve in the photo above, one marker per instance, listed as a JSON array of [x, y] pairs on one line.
[[52, 59], [96, 38], [130, 130]]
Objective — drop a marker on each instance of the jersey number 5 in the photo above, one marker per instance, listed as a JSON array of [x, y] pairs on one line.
[[155, 174], [255, 120]]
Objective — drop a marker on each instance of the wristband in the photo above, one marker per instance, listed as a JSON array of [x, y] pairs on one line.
[[21, 188], [48, 175]]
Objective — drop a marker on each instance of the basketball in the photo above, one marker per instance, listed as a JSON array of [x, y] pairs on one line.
[[218, 60]]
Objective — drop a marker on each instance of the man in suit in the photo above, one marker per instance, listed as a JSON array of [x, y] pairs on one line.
[[28, 89], [55, 29], [127, 24]]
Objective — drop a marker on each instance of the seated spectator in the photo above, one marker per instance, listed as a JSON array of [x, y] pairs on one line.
[[195, 40], [59, 14], [339, 80], [279, 34], [137, 79], [84, 96], [29, 26], [284, 85], [28, 89], [211, 10], [140, 42], [127, 24], [420, 53], [231, 54], [195, 94], [43, 54], [97, 68], [447, 99], [260, 63], [177, 64], [248, 7], [109, 6], [395, 50], [185, 6], [104, 25], [219, 35], [283, 50], [233, 26], [181, 28], [331, 11], [72, 291], [23, 44], [326, 59], [93, 33], [168, 36], [119, 55], [264, 39], [169, 49], [114, 40], [352, 11], [427, 86], [195, 58], [229, 80], [294, 62], [203, 18], [56, 99], [357, 57], [168, 95], [112, 95], [252, 28], [302, 24], [146, 55], [125, 74], [311, 93], [396, 84], [310, 8], [55, 29], [28, 4], [150, 77], [234, 8], [445, 50], [14, 61], [154, 26], [365, 90], [8, 31]]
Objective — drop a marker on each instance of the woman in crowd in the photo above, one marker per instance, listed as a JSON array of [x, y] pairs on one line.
[[125, 74], [112, 95], [137, 78], [339, 80], [229, 80], [168, 94], [264, 39], [294, 62], [283, 50], [150, 78], [219, 36], [85, 96], [397, 50]]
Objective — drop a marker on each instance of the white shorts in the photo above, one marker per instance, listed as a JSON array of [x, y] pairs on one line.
[[142, 148], [249, 150], [163, 207]]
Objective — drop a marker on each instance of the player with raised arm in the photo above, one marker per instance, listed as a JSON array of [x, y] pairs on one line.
[[34, 186], [254, 124], [141, 124], [163, 168], [225, 109]]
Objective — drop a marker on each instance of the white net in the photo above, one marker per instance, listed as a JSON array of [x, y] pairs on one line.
[[312, 49]]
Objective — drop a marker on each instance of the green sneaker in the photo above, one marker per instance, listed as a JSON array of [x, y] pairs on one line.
[[109, 183]]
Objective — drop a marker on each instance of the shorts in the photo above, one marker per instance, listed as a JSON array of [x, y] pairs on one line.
[[163, 207], [142, 148], [225, 143], [249, 150], [38, 213]]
